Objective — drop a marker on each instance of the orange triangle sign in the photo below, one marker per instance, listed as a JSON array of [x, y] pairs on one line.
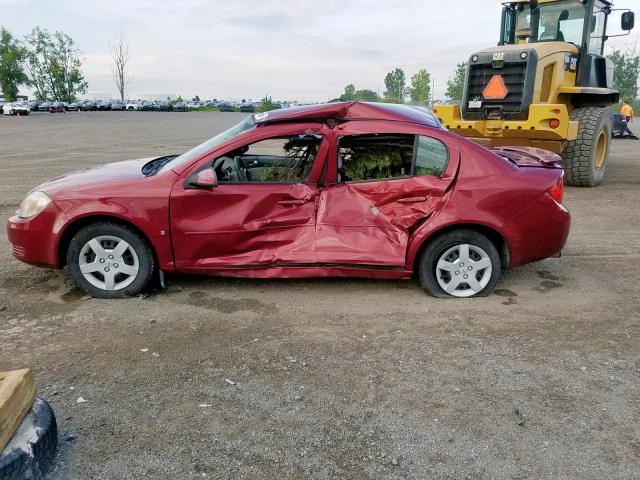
[[495, 89]]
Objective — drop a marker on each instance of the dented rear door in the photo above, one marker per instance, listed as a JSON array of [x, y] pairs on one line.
[[369, 223]]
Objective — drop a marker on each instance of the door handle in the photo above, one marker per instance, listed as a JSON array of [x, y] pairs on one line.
[[412, 199], [292, 202]]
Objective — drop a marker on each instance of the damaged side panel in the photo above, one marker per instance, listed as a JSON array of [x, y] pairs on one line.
[[235, 225], [371, 222]]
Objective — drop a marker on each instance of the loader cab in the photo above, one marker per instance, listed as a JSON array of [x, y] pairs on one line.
[[582, 23]]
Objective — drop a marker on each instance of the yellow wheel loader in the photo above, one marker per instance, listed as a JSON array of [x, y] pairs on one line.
[[546, 85]]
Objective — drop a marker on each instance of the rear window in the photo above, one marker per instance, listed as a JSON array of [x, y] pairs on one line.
[[375, 157], [432, 157], [364, 158]]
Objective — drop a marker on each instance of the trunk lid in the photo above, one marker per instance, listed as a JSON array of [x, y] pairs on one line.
[[530, 156]]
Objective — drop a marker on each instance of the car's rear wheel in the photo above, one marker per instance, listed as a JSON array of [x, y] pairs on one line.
[[108, 260], [461, 263]]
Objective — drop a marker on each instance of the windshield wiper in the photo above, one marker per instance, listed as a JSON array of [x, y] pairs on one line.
[[151, 168]]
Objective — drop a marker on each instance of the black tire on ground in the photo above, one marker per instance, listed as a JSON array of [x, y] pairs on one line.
[[31, 451], [440, 244], [146, 259], [586, 157]]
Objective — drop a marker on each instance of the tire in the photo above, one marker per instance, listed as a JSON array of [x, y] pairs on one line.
[[586, 157], [449, 247], [31, 451], [110, 272]]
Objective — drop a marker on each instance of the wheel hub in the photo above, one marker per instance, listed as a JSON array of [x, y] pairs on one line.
[[463, 270], [109, 263]]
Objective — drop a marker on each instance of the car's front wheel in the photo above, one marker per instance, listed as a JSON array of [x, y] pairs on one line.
[[108, 260], [460, 263]]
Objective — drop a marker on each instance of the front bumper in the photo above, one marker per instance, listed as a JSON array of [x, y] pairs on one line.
[[33, 240], [535, 127]]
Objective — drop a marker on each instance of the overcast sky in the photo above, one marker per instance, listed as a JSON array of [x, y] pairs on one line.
[[232, 49]]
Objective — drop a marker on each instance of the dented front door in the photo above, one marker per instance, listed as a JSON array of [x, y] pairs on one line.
[[245, 225]]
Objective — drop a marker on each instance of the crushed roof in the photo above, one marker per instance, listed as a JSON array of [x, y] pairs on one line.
[[350, 111]]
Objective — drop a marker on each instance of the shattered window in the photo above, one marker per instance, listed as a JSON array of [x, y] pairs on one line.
[[431, 157], [375, 157], [275, 160]]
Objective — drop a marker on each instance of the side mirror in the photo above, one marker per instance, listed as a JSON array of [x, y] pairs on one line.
[[628, 21], [204, 179]]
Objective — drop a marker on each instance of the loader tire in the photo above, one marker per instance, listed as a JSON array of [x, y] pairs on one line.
[[586, 157]]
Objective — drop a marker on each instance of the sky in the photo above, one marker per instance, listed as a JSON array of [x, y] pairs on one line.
[[288, 49]]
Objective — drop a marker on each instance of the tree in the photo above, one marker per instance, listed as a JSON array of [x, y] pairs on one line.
[[626, 72], [196, 98], [11, 72], [455, 84], [120, 56], [349, 93], [52, 65], [395, 85], [366, 96], [266, 104], [420, 89]]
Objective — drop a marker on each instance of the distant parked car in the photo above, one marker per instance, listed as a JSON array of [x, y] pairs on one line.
[[133, 105], [104, 105], [147, 106], [44, 106], [88, 106], [57, 107], [33, 105], [180, 107], [73, 107], [164, 106], [248, 108], [117, 105], [225, 107], [16, 108]]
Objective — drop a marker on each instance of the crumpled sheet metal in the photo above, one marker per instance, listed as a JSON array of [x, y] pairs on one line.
[[368, 222], [245, 227]]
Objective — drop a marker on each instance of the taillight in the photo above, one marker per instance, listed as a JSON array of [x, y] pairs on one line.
[[557, 190]]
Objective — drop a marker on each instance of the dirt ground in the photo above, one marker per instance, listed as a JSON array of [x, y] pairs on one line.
[[329, 379]]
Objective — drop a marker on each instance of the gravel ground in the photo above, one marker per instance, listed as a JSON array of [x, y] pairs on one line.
[[353, 379]]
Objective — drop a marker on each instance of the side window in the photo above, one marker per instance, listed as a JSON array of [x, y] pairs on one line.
[[596, 38], [374, 157], [431, 157], [275, 160]]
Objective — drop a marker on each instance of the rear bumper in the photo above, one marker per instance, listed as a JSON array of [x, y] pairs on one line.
[[535, 127], [539, 232], [32, 240]]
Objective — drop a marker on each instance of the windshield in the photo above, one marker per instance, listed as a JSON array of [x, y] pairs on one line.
[[244, 126], [557, 22]]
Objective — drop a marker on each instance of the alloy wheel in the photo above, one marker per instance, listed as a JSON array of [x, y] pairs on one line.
[[463, 270], [108, 263]]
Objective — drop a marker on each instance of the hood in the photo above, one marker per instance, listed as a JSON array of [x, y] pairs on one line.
[[108, 174]]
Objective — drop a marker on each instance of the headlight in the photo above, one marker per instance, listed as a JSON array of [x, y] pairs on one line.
[[33, 204]]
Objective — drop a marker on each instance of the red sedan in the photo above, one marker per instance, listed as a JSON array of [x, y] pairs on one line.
[[342, 189]]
